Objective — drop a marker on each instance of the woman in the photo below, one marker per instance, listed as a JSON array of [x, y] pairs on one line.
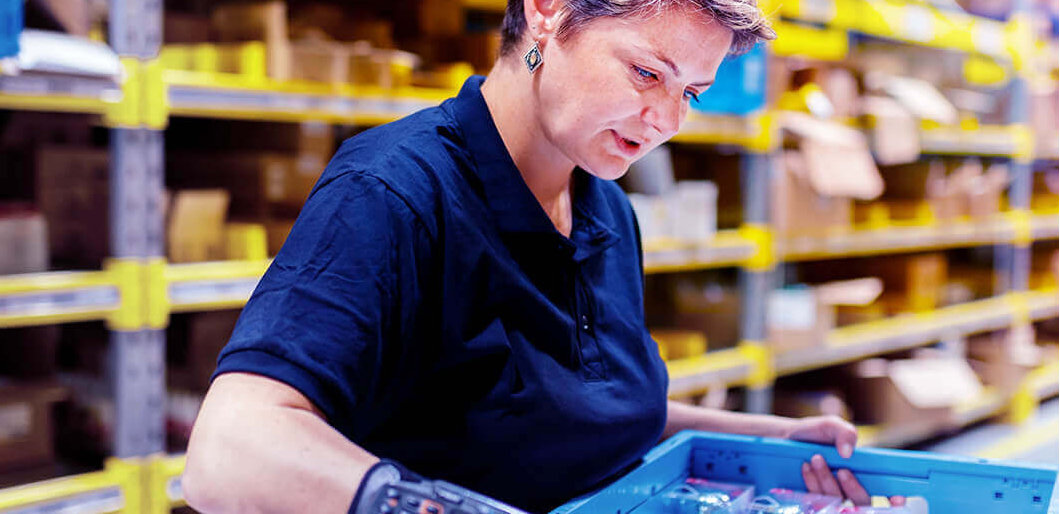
[[462, 292]]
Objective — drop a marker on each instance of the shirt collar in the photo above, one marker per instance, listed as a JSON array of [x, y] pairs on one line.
[[511, 202]]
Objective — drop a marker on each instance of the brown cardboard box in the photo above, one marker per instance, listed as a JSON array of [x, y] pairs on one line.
[[378, 67], [801, 317], [920, 392], [894, 134], [26, 424], [24, 238], [198, 339], [265, 21], [481, 49], [320, 61], [73, 195], [260, 185], [1002, 359], [709, 309], [813, 196], [196, 228]]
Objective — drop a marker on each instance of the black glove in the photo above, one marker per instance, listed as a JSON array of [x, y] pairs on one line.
[[389, 488]]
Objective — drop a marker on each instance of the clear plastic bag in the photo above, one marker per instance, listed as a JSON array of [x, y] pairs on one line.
[[698, 496], [785, 501]]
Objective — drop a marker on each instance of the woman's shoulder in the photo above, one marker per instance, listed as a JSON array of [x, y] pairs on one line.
[[414, 157]]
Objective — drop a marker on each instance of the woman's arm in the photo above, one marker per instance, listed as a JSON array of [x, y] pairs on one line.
[[818, 429], [258, 445]]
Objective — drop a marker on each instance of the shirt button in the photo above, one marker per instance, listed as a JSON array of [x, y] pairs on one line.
[[585, 322]]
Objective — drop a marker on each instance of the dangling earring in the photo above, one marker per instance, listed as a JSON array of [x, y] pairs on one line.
[[533, 58]]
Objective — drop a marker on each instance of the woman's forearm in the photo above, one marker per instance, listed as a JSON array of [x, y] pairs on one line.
[[684, 417], [258, 446]]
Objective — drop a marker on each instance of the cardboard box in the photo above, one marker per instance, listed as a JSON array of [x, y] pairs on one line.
[[73, 194], [1002, 359], [196, 228], [387, 69], [320, 61], [72, 16], [919, 97], [441, 17], [24, 238], [267, 22], [26, 424], [812, 196], [911, 392], [703, 307], [197, 340], [894, 134], [801, 317], [481, 49], [260, 185]]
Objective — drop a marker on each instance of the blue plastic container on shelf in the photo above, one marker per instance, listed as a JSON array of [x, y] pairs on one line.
[[10, 26], [950, 484], [739, 87]]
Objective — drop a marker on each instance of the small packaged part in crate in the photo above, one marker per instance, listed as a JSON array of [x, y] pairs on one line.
[[793, 502], [949, 484], [698, 496]]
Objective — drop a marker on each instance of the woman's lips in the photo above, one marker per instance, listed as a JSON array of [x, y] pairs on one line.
[[627, 147]]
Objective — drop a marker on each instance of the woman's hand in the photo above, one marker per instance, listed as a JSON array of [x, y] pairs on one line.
[[816, 474]]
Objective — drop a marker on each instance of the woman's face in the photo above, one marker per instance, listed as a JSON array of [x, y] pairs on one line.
[[621, 87]]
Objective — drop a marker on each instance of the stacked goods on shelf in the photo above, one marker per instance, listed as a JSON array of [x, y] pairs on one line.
[[1003, 359], [810, 197], [24, 238], [267, 169], [800, 317], [26, 424], [195, 230], [1045, 195], [669, 211], [916, 394], [913, 283], [926, 192], [701, 305]]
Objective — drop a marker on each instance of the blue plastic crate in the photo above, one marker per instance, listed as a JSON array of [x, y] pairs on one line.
[[950, 484], [10, 26], [739, 86]]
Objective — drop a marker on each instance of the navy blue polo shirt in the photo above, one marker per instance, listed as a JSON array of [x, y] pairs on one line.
[[426, 304]]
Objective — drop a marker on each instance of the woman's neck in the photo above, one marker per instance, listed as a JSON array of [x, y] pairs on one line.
[[510, 93]]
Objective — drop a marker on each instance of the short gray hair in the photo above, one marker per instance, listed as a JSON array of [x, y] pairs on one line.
[[748, 24]]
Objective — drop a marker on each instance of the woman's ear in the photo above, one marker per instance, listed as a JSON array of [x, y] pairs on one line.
[[542, 17]]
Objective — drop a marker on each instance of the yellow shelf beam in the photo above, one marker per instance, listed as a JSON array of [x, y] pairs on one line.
[[115, 489], [211, 285], [720, 368], [58, 297], [728, 248], [856, 342], [918, 24]]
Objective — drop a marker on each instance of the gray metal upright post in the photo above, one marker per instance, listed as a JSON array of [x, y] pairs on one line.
[[137, 354], [755, 181]]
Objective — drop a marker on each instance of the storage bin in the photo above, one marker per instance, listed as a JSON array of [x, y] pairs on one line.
[[739, 87], [950, 484], [10, 26]]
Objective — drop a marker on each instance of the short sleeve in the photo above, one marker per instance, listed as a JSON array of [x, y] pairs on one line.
[[327, 318]]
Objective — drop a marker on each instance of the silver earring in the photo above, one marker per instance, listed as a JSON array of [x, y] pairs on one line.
[[533, 58]]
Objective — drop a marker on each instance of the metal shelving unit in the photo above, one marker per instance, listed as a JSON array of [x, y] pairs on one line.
[[137, 290]]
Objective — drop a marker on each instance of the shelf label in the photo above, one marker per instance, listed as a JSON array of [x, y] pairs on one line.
[[107, 500], [59, 302], [919, 24]]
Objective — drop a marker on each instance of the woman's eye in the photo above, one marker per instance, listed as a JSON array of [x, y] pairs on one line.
[[691, 95], [645, 73]]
